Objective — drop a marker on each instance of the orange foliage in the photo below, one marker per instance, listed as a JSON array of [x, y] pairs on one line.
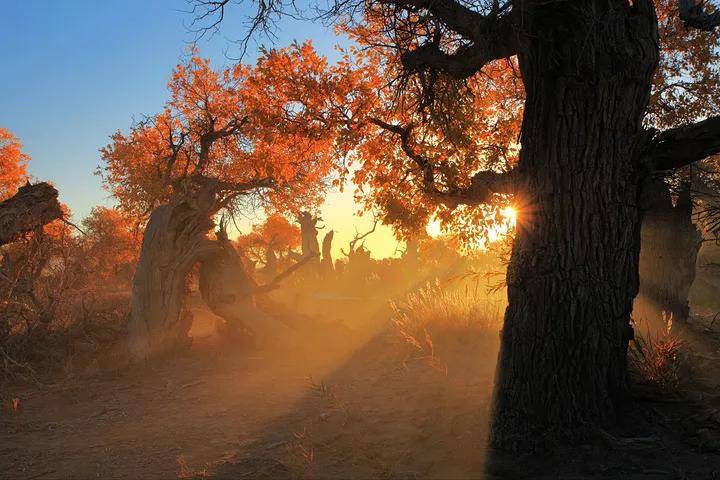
[[13, 163], [461, 129], [687, 83], [111, 244], [276, 235], [276, 127]]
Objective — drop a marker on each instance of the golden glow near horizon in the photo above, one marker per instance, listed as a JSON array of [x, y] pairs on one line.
[[339, 213], [509, 214]]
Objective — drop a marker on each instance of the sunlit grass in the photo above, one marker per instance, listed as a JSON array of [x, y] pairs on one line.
[[436, 309], [654, 356]]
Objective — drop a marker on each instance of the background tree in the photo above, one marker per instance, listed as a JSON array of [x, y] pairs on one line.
[[233, 140], [686, 87], [271, 241], [111, 242]]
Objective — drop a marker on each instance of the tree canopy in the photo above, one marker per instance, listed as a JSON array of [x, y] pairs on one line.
[[13, 163], [268, 135]]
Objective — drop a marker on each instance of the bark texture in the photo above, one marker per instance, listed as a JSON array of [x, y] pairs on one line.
[[668, 254], [29, 209], [573, 274], [174, 240]]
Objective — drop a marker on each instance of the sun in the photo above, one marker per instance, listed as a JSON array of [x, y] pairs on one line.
[[510, 214], [495, 233]]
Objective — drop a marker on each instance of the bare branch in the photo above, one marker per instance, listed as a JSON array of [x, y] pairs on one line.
[[275, 282], [694, 15], [359, 237], [457, 17], [677, 147]]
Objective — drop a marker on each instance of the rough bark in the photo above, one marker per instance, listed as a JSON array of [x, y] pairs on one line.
[[174, 240], [668, 255], [29, 209], [587, 67]]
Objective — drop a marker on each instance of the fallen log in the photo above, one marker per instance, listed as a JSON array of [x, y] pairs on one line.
[[29, 209]]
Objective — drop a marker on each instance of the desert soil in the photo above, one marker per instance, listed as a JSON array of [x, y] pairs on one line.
[[335, 404]]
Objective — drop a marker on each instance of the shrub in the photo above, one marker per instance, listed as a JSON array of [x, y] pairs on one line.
[[654, 356]]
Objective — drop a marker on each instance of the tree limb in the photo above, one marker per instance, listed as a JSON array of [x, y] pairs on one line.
[[275, 282], [483, 185], [677, 147], [694, 15], [455, 16], [492, 37]]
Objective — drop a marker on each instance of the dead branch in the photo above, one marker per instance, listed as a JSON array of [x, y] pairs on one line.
[[275, 282]]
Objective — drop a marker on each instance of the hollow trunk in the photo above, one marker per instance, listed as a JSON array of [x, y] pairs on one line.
[[587, 67], [228, 289], [174, 240], [668, 255]]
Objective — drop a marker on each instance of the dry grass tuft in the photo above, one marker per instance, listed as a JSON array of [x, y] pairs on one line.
[[186, 472], [654, 356], [439, 310], [304, 452]]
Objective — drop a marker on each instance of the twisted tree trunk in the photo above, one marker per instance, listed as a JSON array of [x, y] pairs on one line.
[[228, 289], [174, 240], [587, 67]]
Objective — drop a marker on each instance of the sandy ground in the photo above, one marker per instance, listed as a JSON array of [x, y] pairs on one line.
[[334, 405]]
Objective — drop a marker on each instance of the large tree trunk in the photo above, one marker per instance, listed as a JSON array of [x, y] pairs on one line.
[[29, 209], [174, 240], [668, 255], [573, 273]]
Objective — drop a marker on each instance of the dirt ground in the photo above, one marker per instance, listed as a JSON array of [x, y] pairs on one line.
[[332, 405]]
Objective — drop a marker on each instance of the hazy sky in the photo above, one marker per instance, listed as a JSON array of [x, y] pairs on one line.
[[75, 71]]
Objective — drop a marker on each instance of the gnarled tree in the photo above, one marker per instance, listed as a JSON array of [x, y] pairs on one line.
[[237, 139]]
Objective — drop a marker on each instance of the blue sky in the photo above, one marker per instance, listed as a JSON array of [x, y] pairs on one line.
[[75, 71]]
